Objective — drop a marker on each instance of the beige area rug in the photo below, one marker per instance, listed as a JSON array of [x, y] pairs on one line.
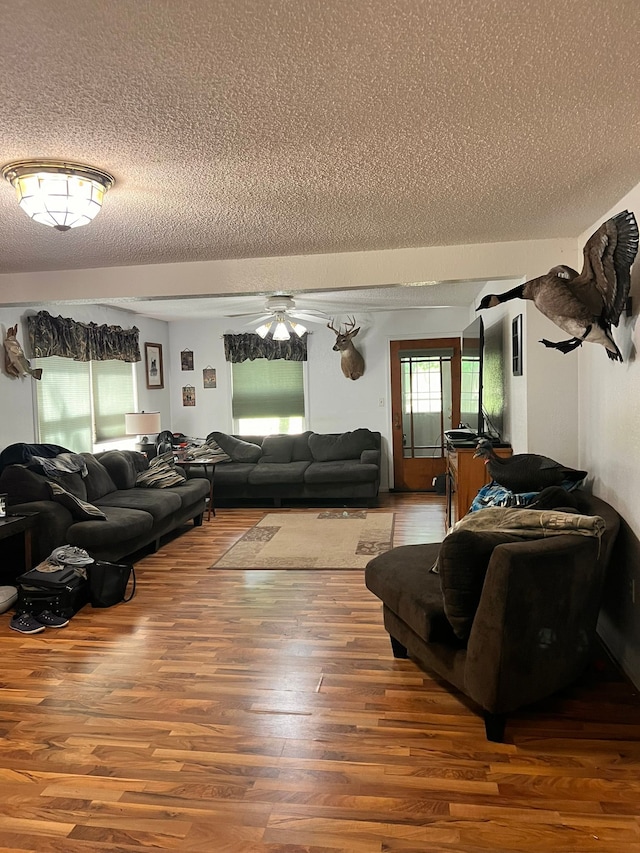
[[312, 540]]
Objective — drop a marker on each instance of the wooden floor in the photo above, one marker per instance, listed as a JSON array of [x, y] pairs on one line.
[[262, 712]]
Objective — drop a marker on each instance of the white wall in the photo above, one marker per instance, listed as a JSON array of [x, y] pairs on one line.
[[609, 408], [17, 395]]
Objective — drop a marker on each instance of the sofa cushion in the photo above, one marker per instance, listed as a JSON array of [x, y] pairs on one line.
[[121, 467], [161, 473], [122, 525], [98, 481], [232, 473], [78, 508], [287, 472], [276, 449], [332, 447], [238, 450], [462, 565], [401, 579], [341, 472], [301, 450], [160, 503]]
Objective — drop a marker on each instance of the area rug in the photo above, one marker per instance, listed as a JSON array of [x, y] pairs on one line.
[[312, 540]]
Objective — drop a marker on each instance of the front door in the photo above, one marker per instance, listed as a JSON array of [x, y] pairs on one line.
[[425, 401]]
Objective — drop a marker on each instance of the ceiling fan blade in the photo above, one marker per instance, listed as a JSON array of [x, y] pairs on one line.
[[310, 318], [247, 314], [256, 321]]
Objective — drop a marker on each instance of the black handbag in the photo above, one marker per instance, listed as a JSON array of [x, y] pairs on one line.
[[108, 583]]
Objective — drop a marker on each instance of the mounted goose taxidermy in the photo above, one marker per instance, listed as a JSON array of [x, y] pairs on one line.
[[525, 472], [587, 304]]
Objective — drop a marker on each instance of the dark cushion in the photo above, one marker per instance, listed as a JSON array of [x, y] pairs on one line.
[[122, 525], [232, 473], [121, 467], [301, 450], [160, 503], [341, 472], [98, 481], [462, 566], [79, 509], [276, 449], [238, 450], [332, 447], [288, 472], [24, 486]]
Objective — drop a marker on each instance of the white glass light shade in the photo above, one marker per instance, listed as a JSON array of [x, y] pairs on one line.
[[61, 195], [142, 423], [263, 330], [298, 328], [281, 333]]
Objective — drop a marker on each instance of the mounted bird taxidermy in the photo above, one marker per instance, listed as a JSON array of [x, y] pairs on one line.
[[587, 304], [351, 361], [15, 361], [525, 472]]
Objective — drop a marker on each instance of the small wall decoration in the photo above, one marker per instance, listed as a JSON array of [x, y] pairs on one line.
[[209, 377], [15, 361], [153, 363], [516, 345], [186, 359], [189, 395]]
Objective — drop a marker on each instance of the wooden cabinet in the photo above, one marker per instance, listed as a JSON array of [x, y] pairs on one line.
[[465, 477]]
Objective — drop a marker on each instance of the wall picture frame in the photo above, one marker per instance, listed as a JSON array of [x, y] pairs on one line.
[[186, 359], [153, 365], [188, 395], [209, 377]]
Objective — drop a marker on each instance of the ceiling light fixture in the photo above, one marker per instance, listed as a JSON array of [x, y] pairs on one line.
[[283, 327], [56, 193]]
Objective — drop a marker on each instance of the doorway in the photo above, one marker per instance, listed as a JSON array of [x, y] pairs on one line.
[[425, 401]]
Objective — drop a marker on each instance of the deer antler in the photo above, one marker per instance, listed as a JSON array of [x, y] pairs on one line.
[[350, 324], [331, 326]]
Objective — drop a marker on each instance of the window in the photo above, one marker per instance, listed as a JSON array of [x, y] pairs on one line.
[[83, 403], [268, 397]]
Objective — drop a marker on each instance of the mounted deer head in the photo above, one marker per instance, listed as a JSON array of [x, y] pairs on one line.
[[351, 361]]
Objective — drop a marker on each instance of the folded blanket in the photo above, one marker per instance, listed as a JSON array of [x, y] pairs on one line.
[[532, 523], [63, 463]]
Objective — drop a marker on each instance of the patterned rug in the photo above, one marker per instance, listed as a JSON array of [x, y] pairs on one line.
[[339, 539]]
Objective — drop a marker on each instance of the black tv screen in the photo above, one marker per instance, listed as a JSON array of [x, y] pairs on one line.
[[493, 394], [471, 378]]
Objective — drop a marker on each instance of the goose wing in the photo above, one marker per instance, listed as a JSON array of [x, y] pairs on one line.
[[605, 280]]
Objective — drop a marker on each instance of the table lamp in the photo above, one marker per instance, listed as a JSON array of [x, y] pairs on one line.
[[142, 423]]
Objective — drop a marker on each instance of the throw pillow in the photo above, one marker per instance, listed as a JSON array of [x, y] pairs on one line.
[[161, 473], [209, 450], [334, 447], [238, 450], [78, 508], [462, 564]]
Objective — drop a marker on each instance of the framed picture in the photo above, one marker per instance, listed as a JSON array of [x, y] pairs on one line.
[[186, 359], [189, 395], [209, 377], [516, 345], [153, 363]]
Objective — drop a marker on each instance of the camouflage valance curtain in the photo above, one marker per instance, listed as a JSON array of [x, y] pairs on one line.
[[67, 338], [239, 348]]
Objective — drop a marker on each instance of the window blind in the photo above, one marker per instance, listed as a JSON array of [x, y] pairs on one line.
[[112, 384], [64, 403], [263, 388]]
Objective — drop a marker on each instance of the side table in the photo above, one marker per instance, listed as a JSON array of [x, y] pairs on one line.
[[13, 525], [203, 463]]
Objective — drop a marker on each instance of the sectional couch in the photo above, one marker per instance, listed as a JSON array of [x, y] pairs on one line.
[[333, 466], [104, 512]]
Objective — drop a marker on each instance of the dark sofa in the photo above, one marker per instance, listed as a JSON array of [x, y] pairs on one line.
[[334, 466], [508, 621], [136, 516]]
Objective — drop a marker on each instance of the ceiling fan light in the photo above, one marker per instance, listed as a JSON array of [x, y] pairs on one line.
[[281, 333], [298, 328], [59, 194], [263, 330]]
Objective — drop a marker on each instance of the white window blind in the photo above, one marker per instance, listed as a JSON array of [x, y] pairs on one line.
[[80, 403]]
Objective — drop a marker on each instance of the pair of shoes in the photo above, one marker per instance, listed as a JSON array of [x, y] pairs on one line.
[[28, 623]]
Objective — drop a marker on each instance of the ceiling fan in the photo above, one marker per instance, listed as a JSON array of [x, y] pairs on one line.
[[281, 316]]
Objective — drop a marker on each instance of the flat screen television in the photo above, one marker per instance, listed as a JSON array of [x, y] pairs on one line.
[[471, 378], [493, 392]]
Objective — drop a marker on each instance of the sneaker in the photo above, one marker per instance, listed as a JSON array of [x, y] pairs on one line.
[[50, 620], [26, 624]]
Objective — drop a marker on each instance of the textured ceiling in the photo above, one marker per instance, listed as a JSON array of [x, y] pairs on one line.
[[250, 128]]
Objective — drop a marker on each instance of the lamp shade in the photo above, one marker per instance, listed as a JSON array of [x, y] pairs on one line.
[[59, 194], [142, 423]]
